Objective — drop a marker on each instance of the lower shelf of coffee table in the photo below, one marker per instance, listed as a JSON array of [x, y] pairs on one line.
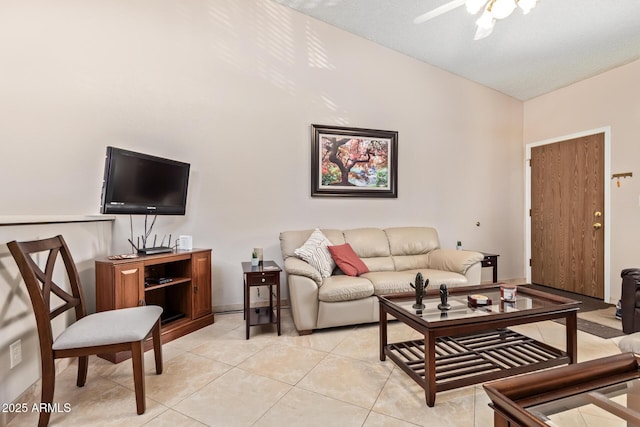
[[473, 359]]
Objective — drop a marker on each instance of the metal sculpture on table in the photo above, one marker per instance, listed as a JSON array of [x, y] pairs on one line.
[[444, 296], [420, 287]]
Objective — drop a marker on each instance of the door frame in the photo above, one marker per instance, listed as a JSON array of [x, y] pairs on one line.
[[607, 200]]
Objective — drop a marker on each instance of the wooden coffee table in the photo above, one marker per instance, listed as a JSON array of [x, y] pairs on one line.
[[606, 390], [469, 345]]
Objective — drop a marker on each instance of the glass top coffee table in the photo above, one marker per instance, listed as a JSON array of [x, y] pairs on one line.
[[469, 345], [602, 392]]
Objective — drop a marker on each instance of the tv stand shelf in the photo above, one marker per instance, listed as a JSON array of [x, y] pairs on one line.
[[174, 281], [185, 297]]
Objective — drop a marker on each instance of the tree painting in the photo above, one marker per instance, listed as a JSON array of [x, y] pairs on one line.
[[360, 162]]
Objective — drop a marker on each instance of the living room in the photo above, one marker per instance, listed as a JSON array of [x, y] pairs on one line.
[[232, 88]]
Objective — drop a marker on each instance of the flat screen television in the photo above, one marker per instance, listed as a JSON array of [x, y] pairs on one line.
[[137, 183]]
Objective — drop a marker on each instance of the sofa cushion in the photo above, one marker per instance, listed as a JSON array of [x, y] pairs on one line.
[[292, 240], [412, 240], [410, 246], [630, 343], [368, 242], [347, 260], [390, 282], [383, 263], [411, 262], [344, 288], [399, 281], [315, 252]]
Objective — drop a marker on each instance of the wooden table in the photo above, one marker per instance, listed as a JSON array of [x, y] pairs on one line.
[[266, 274], [467, 345], [607, 389], [491, 261]]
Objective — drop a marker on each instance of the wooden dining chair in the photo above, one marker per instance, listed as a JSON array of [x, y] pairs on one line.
[[103, 332]]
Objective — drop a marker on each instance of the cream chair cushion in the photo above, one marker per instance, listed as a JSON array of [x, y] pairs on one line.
[[115, 326]]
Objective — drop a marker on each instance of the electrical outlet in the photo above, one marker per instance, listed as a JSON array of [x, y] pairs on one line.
[[15, 349]]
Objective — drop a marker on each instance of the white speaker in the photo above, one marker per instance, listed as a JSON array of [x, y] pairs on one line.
[[185, 243]]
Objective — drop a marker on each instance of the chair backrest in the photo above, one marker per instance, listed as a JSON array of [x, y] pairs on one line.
[[40, 282]]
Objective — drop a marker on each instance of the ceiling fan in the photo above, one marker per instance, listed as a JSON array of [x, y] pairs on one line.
[[493, 9]]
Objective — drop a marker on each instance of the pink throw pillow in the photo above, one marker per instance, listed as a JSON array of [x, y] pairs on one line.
[[348, 261]]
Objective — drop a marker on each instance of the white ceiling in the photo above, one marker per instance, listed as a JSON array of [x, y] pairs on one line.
[[559, 43]]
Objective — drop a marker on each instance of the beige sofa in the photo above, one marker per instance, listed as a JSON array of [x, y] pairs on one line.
[[393, 257]]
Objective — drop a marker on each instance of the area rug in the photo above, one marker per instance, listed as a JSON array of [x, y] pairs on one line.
[[595, 317], [593, 328]]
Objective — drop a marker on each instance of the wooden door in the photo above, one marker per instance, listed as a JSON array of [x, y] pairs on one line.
[[567, 215]]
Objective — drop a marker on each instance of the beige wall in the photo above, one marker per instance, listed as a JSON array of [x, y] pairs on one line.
[[609, 99], [232, 87]]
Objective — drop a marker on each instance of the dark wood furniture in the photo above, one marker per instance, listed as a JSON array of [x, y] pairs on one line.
[[609, 387], [111, 331], [179, 282], [630, 300], [267, 274], [491, 260], [468, 345]]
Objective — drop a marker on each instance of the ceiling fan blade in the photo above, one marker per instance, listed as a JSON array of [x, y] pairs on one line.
[[438, 11]]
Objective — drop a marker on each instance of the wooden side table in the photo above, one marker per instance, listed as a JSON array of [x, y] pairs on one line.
[[265, 274], [491, 260]]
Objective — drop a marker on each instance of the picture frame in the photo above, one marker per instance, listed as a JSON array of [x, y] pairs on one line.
[[353, 162]]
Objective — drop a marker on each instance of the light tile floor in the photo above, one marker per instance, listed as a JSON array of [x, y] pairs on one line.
[[333, 377]]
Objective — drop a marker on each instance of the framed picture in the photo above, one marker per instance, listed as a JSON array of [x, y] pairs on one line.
[[353, 162]]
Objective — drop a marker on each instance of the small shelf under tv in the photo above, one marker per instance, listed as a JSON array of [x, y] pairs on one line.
[[185, 297], [171, 316], [173, 282]]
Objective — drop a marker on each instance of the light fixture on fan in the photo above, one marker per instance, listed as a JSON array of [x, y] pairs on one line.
[[495, 9]]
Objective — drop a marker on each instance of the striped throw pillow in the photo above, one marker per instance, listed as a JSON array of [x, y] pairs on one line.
[[315, 251]]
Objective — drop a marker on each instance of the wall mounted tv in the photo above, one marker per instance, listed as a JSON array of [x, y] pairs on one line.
[[136, 183]]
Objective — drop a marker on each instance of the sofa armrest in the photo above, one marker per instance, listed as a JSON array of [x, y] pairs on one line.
[[453, 260], [298, 267], [304, 282], [304, 303]]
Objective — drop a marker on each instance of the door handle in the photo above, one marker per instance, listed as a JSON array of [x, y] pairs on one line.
[[597, 226]]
